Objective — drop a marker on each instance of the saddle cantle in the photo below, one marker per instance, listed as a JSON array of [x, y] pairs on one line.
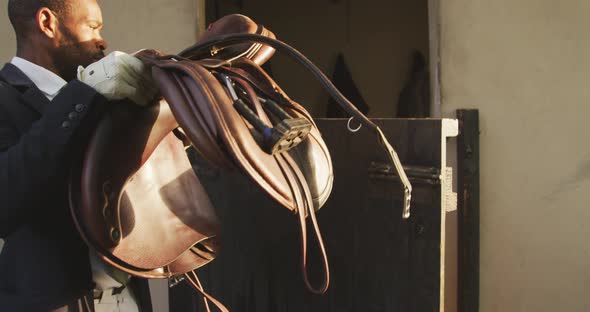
[[235, 24]]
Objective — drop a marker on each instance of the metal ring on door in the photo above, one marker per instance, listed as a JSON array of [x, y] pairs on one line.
[[353, 130]]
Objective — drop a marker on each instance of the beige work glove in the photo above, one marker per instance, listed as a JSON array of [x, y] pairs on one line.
[[120, 76]]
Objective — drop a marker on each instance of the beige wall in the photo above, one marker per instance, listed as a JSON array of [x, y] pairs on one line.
[[131, 25], [8, 43], [169, 26], [526, 66]]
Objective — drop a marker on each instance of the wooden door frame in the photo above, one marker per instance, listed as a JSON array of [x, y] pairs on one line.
[[434, 51]]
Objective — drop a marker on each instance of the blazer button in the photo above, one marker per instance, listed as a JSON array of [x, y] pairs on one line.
[[73, 115], [66, 124], [79, 108]]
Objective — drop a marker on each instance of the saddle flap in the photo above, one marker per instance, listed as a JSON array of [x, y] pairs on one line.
[[139, 202]]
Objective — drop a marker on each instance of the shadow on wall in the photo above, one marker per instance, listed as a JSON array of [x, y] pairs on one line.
[[414, 98], [342, 79]]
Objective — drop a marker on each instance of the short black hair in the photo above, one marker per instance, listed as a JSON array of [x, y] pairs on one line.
[[20, 12]]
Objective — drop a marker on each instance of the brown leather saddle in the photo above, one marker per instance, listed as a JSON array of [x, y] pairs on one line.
[[134, 195]]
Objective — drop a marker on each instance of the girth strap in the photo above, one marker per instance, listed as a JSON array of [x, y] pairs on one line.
[[302, 196]]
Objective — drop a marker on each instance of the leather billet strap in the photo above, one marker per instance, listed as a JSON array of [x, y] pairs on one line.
[[328, 86], [305, 205], [193, 280]]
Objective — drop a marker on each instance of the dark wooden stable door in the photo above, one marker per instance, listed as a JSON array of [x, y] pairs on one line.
[[378, 261]]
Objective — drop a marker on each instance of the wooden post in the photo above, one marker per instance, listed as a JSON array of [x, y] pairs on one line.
[[200, 15], [468, 210], [434, 57]]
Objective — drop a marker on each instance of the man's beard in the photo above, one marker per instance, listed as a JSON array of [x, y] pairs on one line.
[[72, 53]]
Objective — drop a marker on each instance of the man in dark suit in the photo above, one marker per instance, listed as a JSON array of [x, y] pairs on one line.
[[45, 113]]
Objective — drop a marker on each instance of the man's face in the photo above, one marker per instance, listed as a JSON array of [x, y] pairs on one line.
[[79, 40]]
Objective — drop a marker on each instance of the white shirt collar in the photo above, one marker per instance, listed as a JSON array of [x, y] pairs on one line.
[[48, 82]]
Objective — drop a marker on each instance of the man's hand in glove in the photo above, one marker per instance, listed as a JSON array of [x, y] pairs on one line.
[[120, 76]]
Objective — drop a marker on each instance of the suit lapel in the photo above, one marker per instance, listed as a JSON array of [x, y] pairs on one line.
[[36, 99], [31, 95]]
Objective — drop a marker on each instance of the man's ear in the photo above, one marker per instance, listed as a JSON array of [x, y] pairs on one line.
[[47, 22]]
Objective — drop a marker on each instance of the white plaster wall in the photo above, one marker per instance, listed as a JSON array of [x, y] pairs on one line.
[[130, 25], [525, 65], [165, 25]]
